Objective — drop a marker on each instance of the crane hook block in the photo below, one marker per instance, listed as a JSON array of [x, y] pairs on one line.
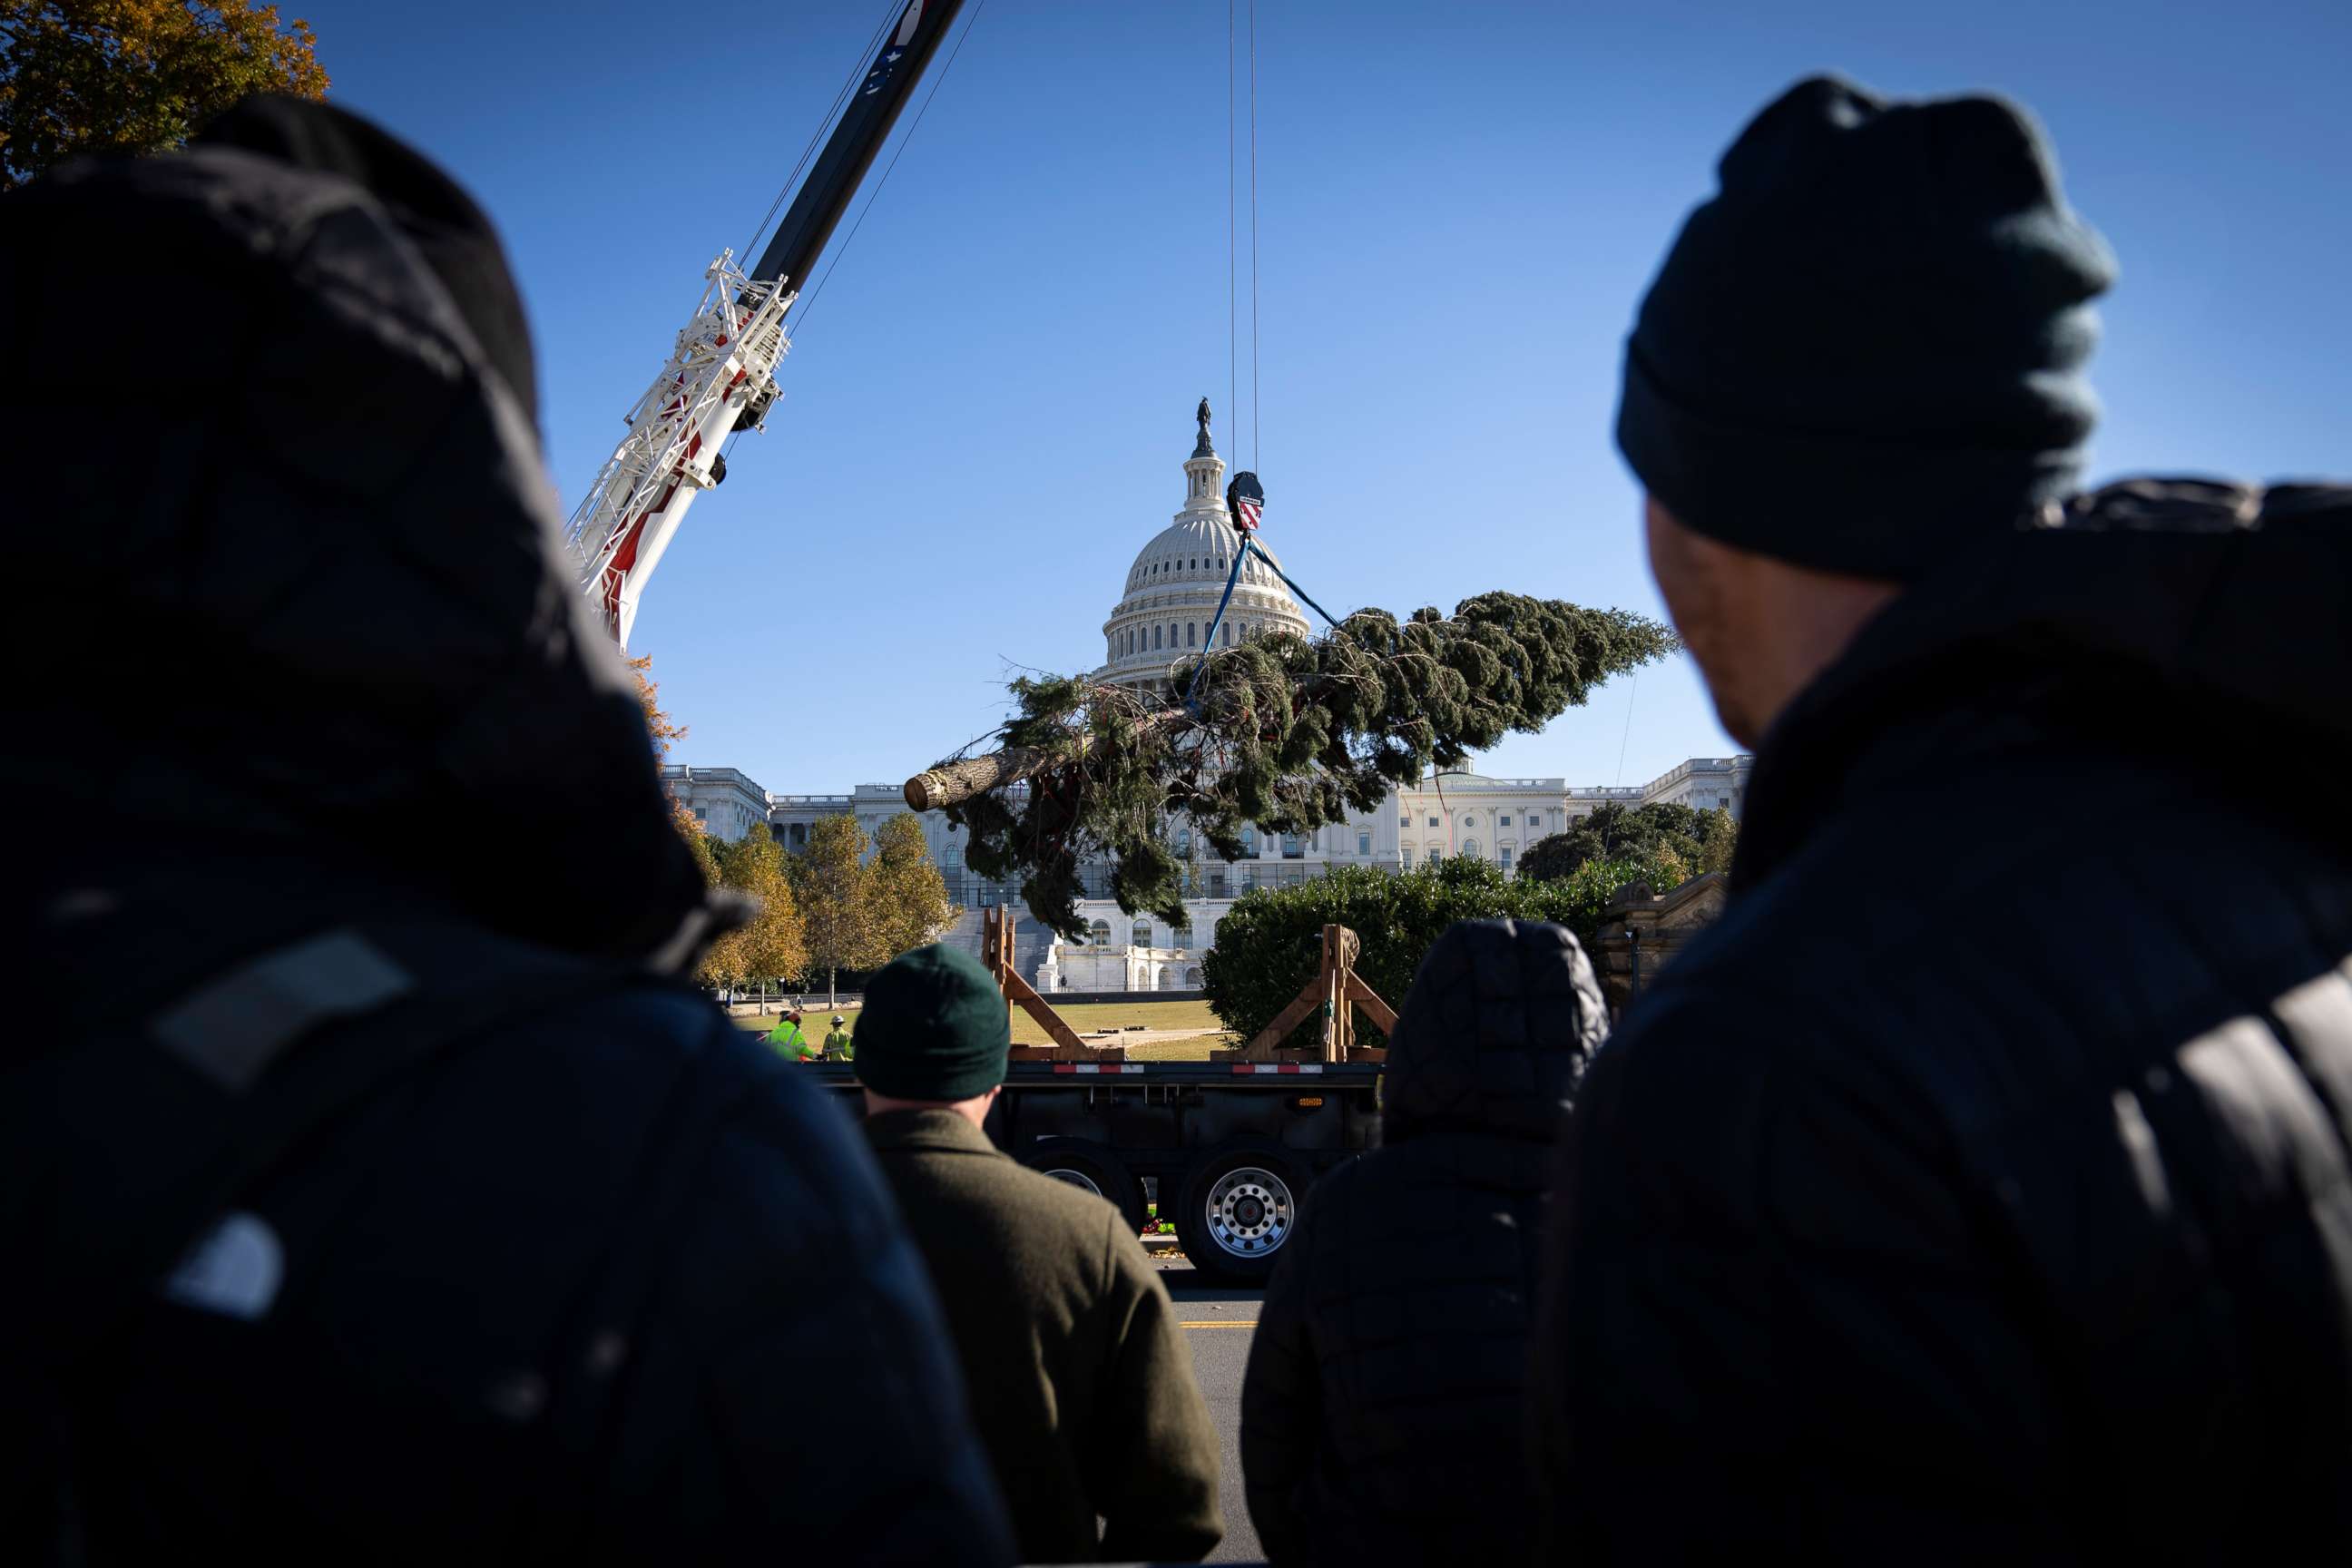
[[1246, 501]]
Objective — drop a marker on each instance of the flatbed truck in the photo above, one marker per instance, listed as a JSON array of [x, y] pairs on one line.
[[1228, 1151]]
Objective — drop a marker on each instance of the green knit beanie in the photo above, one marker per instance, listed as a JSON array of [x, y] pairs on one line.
[[934, 1027]]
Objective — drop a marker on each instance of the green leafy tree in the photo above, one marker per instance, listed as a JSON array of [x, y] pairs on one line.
[[135, 76], [1269, 945], [909, 898], [772, 946], [832, 887], [1701, 840]]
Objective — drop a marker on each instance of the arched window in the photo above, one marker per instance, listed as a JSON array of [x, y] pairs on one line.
[[1155, 636], [1469, 850], [1184, 841], [1142, 933], [1249, 841], [1290, 847], [1191, 632], [1100, 933], [1225, 634]]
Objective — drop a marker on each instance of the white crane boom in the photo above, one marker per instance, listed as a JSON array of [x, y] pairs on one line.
[[721, 375]]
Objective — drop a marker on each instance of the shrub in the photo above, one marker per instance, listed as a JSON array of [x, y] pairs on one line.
[[1269, 945]]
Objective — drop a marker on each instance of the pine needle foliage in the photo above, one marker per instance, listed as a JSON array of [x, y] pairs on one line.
[[1285, 732]]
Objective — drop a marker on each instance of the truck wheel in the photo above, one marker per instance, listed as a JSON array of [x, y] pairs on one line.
[[1240, 1206], [1090, 1168]]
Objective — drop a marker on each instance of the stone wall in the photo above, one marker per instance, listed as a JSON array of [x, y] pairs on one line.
[[1643, 928]]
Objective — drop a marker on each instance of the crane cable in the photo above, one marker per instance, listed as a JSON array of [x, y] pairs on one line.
[[808, 300], [899, 151], [825, 121], [1255, 459], [1233, 241]]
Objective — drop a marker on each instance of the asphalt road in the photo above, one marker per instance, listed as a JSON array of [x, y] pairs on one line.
[[1217, 1321]]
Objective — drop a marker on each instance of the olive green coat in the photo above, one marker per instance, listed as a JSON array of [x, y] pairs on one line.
[[1081, 1386]]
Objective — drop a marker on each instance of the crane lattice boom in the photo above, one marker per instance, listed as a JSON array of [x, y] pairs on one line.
[[721, 375]]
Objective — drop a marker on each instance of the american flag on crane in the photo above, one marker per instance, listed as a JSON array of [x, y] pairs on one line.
[[1246, 500]]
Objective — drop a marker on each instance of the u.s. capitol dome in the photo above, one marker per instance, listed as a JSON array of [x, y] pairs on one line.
[[1170, 597]]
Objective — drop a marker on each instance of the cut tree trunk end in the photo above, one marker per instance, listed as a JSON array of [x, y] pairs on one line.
[[952, 784]]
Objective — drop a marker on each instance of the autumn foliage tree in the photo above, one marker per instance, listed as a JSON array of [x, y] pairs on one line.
[[772, 945], [659, 723], [910, 897], [662, 730], [830, 885], [135, 76], [697, 843]]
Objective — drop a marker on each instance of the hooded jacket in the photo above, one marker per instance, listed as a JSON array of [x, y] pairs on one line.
[[310, 675], [1381, 1412], [1978, 1186]]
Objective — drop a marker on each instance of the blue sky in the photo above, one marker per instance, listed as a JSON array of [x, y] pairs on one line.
[[986, 407]]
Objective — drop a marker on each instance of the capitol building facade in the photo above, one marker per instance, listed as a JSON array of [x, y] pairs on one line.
[[1165, 612]]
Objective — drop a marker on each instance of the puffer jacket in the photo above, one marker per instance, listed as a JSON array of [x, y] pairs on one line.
[[1977, 1189], [375, 1188], [1381, 1412]]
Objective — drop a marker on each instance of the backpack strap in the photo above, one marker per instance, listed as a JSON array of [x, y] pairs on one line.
[[288, 1040], [154, 1133]]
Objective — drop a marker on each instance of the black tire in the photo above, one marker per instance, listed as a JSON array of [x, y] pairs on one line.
[[1239, 1210], [1092, 1168]]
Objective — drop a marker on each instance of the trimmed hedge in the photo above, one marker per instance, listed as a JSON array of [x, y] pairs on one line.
[[1269, 943]]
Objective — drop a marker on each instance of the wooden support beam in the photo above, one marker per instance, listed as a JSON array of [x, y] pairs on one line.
[[1339, 949], [996, 953], [1379, 1012], [1337, 985], [1262, 1044], [1053, 1023]]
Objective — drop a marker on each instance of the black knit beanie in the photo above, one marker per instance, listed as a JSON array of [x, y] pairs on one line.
[[1866, 350]]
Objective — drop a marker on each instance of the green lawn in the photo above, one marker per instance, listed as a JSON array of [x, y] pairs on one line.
[[1178, 1051], [1082, 1017]]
